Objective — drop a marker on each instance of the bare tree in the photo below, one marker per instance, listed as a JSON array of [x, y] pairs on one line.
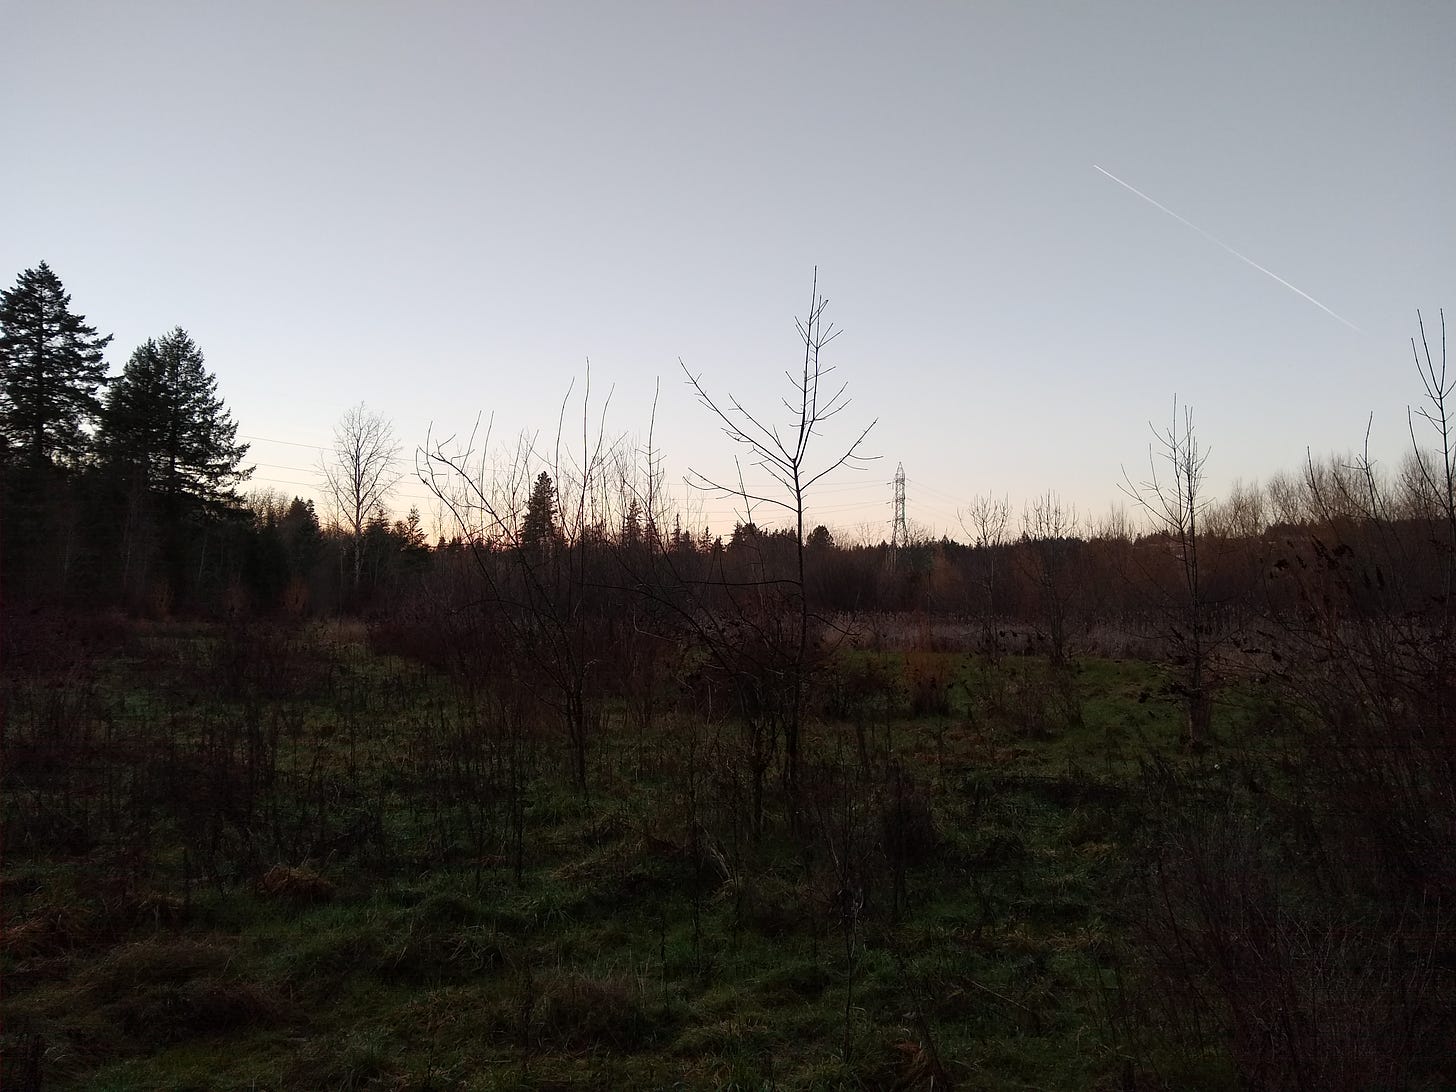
[[1172, 498], [1438, 468], [1240, 515], [1284, 497], [987, 520], [360, 471], [1049, 527], [784, 455]]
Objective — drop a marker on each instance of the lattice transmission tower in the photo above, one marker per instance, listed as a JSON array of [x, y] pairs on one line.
[[897, 522]]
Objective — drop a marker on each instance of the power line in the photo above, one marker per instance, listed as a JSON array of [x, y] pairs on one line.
[[290, 443], [314, 486], [281, 481], [285, 466], [938, 492]]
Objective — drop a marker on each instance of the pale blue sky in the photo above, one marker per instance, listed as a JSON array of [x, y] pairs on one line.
[[446, 208]]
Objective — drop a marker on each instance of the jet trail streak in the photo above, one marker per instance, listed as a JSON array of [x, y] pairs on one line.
[[1220, 243]]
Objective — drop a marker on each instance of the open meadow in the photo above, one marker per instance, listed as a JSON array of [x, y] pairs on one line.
[[257, 856]]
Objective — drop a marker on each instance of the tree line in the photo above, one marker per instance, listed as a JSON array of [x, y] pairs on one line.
[[126, 490]]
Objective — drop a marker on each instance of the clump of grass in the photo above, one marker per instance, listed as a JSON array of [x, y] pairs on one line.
[[360, 1060], [302, 885], [771, 906], [444, 909], [583, 1012], [795, 981], [928, 679], [48, 930], [430, 956], [155, 962], [202, 1006]]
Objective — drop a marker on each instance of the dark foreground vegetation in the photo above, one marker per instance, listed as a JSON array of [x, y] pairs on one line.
[[253, 856], [580, 799]]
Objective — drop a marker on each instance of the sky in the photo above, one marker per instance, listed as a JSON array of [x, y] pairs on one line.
[[446, 210]]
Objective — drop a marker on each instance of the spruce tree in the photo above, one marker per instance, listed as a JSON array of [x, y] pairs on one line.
[[538, 529], [50, 370], [165, 423], [302, 535]]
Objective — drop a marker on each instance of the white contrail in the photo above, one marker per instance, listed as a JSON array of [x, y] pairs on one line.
[[1219, 242]]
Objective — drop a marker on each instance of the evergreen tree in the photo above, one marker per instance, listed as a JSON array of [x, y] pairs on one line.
[[50, 370], [631, 536], [679, 540], [538, 529], [411, 533], [408, 549], [820, 539], [266, 568], [378, 548], [744, 534], [164, 421], [302, 535]]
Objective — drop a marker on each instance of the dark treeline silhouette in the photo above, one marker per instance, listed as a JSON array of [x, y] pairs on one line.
[[125, 492]]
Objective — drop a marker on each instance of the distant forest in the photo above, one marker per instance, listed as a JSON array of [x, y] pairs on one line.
[[129, 492]]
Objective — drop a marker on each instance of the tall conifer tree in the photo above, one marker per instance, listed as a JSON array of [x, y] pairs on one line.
[[538, 529], [50, 370], [165, 422]]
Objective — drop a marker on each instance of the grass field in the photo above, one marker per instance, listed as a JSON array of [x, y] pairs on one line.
[[281, 860]]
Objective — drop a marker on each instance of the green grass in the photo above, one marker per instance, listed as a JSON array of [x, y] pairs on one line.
[[600, 969]]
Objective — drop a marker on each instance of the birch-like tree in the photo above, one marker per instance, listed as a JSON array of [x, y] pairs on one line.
[[360, 472]]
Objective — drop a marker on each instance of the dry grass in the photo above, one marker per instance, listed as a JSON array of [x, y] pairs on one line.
[[302, 885]]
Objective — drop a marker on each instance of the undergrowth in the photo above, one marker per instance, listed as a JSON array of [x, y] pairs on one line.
[[241, 859]]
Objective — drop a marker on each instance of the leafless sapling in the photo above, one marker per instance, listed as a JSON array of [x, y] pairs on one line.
[[531, 533], [784, 454], [1172, 498], [987, 520]]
